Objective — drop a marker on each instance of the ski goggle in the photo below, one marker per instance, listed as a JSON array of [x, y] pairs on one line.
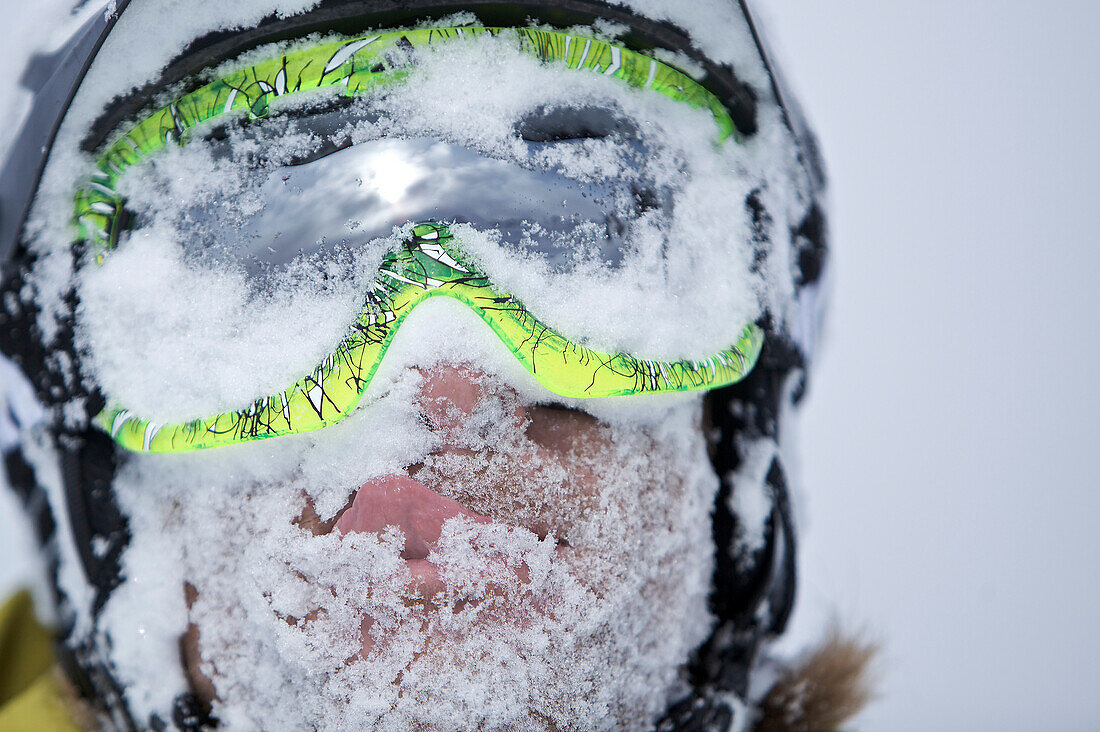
[[428, 264]]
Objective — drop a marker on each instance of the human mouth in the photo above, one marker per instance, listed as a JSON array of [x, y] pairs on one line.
[[419, 512], [400, 501]]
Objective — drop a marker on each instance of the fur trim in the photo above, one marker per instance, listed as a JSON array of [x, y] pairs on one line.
[[829, 686]]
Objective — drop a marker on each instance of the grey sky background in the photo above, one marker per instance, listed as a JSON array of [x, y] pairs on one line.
[[950, 491], [950, 475]]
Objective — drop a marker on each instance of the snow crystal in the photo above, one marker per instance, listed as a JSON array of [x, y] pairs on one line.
[[454, 20], [683, 62], [751, 499], [607, 30], [143, 621], [19, 409]]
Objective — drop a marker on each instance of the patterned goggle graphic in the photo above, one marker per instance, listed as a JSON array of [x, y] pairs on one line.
[[430, 265]]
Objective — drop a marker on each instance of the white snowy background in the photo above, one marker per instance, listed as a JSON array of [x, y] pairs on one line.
[[950, 492]]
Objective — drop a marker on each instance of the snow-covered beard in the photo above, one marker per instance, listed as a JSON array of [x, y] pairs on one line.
[[575, 608]]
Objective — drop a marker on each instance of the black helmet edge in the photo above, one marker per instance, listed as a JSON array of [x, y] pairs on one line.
[[22, 169]]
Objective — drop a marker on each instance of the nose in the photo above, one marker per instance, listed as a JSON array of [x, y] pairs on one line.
[[451, 393]]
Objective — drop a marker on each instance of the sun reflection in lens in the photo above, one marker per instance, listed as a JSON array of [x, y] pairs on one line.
[[391, 174]]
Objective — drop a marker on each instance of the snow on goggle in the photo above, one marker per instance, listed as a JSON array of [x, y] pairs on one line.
[[427, 265]]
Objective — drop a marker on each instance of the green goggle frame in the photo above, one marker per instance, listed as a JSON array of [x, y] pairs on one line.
[[428, 265], [431, 266]]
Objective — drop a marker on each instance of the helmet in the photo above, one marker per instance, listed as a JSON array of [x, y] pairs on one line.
[[64, 464]]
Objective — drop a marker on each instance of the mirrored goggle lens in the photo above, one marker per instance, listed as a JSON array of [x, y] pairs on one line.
[[361, 192]]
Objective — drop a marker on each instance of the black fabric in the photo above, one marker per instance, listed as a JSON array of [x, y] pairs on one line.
[[809, 237], [189, 715], [698, 714], [753, 595], [21, 339], [88, 464], [88, 455], [88, 469]]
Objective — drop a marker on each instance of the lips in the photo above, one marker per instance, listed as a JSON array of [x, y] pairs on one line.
[[397, 500], [449, 395]]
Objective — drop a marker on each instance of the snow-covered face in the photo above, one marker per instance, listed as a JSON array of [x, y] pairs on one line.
[[521, 566], [537, 569], [466, 550]]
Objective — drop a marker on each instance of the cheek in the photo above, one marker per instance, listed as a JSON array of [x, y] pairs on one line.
[[561, 430], [577, 443]]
